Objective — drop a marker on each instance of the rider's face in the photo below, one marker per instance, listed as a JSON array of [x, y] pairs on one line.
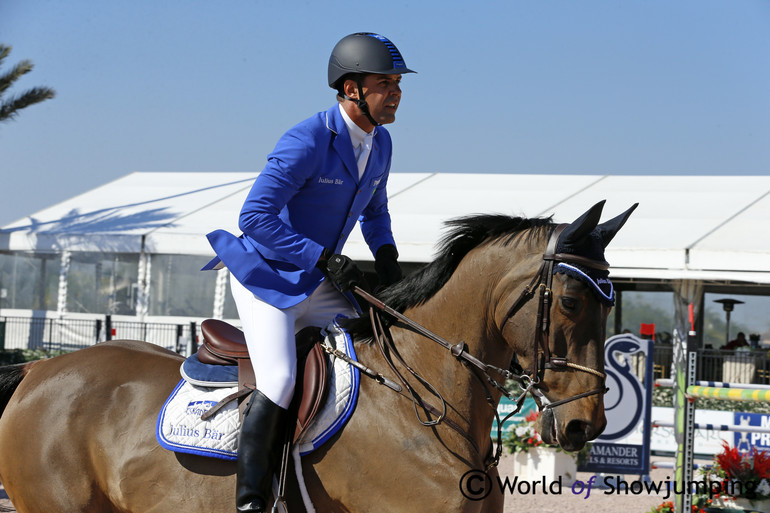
[[382, 93]]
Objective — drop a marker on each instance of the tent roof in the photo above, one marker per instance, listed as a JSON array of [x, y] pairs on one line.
[[699, 227]]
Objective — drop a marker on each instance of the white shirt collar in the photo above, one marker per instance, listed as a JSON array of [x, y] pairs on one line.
[[357, 134]]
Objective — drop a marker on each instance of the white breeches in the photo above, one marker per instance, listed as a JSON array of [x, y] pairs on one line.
[[270, 331]]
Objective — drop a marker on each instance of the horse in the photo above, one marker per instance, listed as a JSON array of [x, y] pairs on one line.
[[77, 431]]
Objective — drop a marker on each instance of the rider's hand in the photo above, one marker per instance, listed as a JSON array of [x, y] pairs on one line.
[[386, 265], [341, 270]]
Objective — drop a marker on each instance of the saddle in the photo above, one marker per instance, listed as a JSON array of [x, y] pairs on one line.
[[224, 344]]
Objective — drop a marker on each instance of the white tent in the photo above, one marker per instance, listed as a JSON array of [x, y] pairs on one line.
[[686, 227]]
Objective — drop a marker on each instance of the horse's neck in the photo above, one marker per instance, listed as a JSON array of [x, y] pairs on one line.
[[471, 308], [465, 395]]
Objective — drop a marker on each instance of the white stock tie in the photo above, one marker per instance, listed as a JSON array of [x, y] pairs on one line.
[[362, 154]]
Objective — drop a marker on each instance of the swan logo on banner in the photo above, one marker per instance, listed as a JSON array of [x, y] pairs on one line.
[[624, 403]]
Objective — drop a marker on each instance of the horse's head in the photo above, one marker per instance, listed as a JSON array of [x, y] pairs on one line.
[[570, 299]]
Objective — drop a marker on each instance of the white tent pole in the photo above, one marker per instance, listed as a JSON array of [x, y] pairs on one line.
[[220, 291], [143, 284], [61, 298]]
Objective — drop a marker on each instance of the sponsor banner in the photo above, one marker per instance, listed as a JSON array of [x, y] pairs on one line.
[[618, 458], [627, 406]]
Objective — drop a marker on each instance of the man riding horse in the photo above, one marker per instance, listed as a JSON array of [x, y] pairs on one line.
[[324, 174]]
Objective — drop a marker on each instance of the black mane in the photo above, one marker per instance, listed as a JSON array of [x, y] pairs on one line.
[[465, 234]]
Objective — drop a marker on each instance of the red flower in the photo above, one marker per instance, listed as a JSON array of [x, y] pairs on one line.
[[760, 460], [755, 464]]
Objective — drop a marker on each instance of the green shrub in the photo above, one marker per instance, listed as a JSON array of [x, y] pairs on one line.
[[12, 356], [664, 396]]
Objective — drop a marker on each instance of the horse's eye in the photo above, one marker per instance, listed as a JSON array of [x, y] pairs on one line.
[[569, 303]]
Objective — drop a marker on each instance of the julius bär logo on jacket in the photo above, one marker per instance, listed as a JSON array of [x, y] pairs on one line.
[[330, 181]]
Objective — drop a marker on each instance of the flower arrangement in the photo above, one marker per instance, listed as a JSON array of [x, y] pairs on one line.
[[736, 480], [748, 473], [524, 436], [740, 475], [668, 507]]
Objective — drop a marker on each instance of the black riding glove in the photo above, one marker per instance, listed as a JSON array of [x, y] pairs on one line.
[[386, 265], [341, 270]]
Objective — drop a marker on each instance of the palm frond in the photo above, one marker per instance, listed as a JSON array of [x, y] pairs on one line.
[[21, 69], [9, 108], [4, 51]]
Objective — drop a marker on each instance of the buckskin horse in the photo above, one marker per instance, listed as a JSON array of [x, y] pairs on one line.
[[77, 431]]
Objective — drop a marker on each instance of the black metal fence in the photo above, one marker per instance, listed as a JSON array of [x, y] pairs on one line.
[[69, 334], [713, 365]]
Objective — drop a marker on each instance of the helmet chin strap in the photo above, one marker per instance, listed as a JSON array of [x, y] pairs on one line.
[[361, 103]]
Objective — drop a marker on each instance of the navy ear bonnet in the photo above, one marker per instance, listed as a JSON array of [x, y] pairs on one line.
[[585, 237]]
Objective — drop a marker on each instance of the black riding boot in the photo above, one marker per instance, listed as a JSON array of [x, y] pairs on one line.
[[262, 433]]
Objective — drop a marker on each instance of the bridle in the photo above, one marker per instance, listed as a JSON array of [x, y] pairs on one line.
[[542, 358], [529, 383]]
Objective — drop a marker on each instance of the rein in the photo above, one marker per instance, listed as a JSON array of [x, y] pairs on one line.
[[541, 282]]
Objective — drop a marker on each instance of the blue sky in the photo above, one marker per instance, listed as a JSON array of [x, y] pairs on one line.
[[557, 86]]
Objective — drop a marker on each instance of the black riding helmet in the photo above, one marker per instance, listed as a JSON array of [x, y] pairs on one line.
[[361, 54]]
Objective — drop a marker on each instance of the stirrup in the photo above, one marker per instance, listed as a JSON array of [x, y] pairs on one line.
[[279, 496]]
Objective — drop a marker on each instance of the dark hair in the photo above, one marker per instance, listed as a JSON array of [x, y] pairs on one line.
[[340, 84]]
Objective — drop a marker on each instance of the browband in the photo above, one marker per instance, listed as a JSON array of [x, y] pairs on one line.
[[581, 260]]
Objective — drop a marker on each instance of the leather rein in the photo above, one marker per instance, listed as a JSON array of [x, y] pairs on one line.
[[529, 383]]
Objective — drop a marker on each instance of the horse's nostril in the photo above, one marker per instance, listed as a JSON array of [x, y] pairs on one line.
[[578, 433]]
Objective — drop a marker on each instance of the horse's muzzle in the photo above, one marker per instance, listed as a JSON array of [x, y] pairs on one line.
[[573, 436]]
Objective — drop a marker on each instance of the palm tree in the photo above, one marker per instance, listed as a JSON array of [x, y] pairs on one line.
[[10, 107]]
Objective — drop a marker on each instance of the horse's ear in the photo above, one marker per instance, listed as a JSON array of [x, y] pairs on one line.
[[583, 225], [608, 229]]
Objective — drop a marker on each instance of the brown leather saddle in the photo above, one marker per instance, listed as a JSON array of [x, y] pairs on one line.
[[224, 344]]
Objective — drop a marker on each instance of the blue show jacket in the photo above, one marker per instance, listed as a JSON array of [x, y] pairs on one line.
[[306, 199]]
